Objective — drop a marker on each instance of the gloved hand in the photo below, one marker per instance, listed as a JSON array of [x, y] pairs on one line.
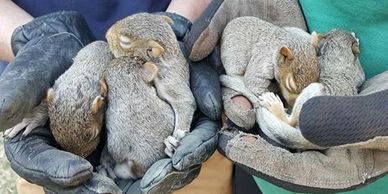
[[207, 30], [37, 159], [40, 60], [358, 148], [355, 126], [44, 49]]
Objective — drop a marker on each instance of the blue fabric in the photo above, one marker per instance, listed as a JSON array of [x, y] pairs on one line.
[[3, 64], [99, 14]]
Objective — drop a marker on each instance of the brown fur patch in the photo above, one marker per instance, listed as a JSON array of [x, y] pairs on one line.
[[137, 170]]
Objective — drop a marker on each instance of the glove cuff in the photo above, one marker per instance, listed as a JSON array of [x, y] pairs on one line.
[[181, 25], [58, 22]]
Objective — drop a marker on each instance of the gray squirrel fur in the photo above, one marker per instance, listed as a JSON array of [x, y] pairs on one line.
[[137, 120], [151, 38], [257, 52], [75, 104], [341, 75]]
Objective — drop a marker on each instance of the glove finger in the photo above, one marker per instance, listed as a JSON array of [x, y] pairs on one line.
[[98, 184], [309, 171], [163, 178], [242, 117], [40, 59], [37, 160], [333, 120], [3, 64], [206, 88], [198, 145], [134, 188], [27, 77], [207, 29], [224, 136]]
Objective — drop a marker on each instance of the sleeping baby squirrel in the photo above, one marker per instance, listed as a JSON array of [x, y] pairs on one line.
[[256, 52], [137, 120], [341, 75], [75, 104], [151, 38]]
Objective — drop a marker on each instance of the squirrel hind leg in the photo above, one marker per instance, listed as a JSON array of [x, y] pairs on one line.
[[128, 170], [12, 132], [38, 117]]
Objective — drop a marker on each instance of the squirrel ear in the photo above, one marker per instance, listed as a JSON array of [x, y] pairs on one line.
[[97, 104], [315, 38], [156, 48], [287, 53], [355, 48], [50, 95], [168, 20], [150, 71]]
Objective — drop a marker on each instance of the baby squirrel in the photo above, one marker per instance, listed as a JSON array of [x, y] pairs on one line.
[[75, 104], [258, 52], [151, 38], [341, 75], [137, 120]]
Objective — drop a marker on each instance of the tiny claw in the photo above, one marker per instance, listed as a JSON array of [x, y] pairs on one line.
[[168, 152], [180, 134], [6, 132]]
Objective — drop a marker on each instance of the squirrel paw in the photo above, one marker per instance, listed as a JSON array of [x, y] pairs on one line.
[[172, 144], [106, 171], [272, 102], [27, 123], [180, 134], [107, 165]]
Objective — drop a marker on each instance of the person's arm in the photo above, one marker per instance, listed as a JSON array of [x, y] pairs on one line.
[[11, 16], [190, 9]]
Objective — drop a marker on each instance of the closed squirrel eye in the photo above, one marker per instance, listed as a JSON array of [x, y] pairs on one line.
[[290, 83], [125, 42]]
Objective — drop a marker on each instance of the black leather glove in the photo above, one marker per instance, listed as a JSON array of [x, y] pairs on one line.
[[44, 49]]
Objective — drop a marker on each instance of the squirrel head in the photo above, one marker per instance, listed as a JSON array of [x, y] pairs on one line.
[[341, 47], [298, 67], [85, 118], [143, 35]]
